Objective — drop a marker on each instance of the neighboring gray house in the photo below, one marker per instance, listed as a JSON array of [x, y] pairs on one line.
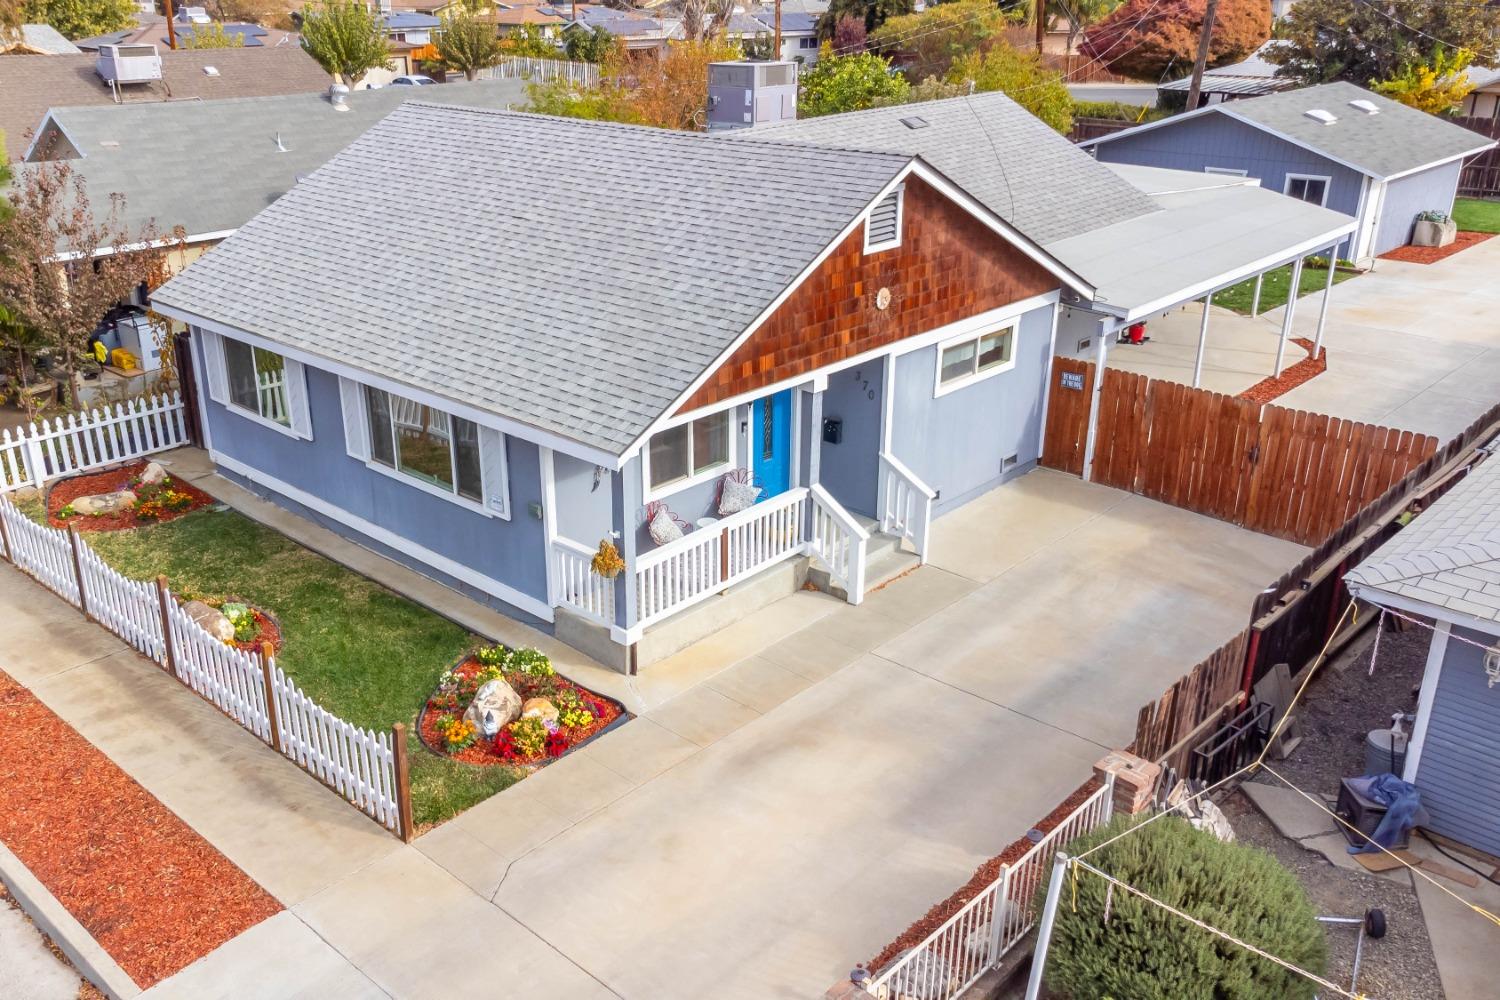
[[1335, 145], [1445, 566], [1253, 77]]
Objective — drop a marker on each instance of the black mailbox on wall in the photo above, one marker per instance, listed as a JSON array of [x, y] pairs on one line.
[[833, 430]]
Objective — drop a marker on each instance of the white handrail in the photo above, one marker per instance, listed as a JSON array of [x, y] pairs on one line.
[[579, 587], [840, 541], [905, 503]]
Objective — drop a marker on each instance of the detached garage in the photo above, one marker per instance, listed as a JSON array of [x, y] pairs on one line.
[[1335, 145]]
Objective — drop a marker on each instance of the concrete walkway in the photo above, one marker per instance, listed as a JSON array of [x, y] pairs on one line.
[[28, 965]]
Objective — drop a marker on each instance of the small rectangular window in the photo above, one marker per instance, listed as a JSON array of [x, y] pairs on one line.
[[883, 226], [958, 361], [257, 381], [973, 358], [1313, 190], [689, 450], [994, 349]]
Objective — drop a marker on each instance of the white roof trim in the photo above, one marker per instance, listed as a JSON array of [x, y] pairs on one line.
[[1378, 597]]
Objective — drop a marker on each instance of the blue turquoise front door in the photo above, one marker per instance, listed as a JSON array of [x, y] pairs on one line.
[[771, 442]]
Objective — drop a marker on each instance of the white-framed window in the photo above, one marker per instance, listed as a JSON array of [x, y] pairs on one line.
[[1226, 171], [807, 43], [1311, 188], [257, 383], [426, 447], [883, 224], [689, 453], [973, 357]]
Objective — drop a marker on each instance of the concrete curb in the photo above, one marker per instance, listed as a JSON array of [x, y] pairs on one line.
[[86, 954]]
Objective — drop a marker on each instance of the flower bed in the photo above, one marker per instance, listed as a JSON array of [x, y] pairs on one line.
[[156, 503], [1431, 255], [557, 715], [1271, 388], [253, 626]]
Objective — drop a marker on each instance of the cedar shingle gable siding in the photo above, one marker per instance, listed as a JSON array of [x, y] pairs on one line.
[[949, 266]]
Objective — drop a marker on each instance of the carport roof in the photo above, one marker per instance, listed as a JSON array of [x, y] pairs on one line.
[[1212, 231]]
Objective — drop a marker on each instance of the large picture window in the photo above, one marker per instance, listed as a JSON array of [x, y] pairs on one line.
[[427, 444], [257, 381], [690, 451], [972, 358]]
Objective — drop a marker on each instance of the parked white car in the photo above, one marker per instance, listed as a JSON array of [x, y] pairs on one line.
[[413, 80]]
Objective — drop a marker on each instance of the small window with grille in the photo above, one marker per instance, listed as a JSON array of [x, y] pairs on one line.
[[883, 225]]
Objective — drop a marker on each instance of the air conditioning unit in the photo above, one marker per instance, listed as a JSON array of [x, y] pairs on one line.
[[121, 64]]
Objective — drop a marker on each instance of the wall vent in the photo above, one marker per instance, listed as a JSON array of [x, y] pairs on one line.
[[1085, 344], [1010, 460], [883, 227]]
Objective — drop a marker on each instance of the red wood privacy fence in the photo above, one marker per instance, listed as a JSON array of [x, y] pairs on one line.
[[1481, 174], [1288, 473]]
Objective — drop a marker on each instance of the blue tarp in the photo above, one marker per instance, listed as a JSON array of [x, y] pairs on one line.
[[1403, 809]]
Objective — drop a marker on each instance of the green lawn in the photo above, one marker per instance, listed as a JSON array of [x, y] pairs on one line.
[[1474, 215], [362, 652], [1274, 287]]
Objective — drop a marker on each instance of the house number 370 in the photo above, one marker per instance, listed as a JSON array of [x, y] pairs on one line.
[[863, 383]]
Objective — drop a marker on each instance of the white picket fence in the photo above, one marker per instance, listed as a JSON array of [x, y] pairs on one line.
[[360, 764], [978, 936], [77, 442], [581, 74]]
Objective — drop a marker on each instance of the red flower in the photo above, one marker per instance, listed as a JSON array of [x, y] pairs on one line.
[[557, 744], [505, 745]]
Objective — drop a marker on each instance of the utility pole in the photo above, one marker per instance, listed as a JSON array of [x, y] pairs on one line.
[[776, 49], [1040, 7], [171, 30], [1204, 41]]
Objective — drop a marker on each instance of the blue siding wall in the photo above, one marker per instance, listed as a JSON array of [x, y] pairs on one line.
[[850, 470], [1215, 140], [1406, 196], [957, 443], [511, 552], [1457, 772], [583, 503]]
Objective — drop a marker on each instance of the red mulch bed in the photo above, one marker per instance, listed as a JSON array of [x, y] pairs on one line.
[[65, 491], [983, 876], [484, 752], [1309, 367], [1431, 255], [151, 891], [267, 628]]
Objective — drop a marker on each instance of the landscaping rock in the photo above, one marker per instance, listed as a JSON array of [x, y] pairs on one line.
[[214, 622], [495, 705], [539, 708], [153, 474], [105, 503]]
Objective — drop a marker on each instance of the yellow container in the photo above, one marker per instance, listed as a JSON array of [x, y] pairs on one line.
[[123, 359]]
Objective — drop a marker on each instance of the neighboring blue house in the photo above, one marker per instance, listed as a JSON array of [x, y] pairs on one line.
[[1445, 566], [1335, 145]]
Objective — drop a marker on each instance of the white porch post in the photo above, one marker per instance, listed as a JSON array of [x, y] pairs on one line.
[[1327, 293], [549, 523], [1202, 341], [1286, 318], [815, 442], [1255, 302], [1436, 651], [1105, 333]]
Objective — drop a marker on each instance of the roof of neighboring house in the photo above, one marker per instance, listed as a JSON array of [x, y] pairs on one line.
[[1394, 140], [529, 14], [152, 30], [30, 85], [401, 20], [43, 40], [1238, 86], [1449, 555], [137, 150], [1483, 76], [586, 316]]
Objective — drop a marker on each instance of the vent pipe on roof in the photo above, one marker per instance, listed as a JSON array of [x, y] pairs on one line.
[[337, 96], [280, 146]]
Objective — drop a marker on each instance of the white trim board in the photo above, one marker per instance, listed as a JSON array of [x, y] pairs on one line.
[[384, 536], [1436, 650]]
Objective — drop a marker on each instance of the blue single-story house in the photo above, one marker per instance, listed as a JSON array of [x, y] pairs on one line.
[[731, 383], [1335, 145], [1445, 567]]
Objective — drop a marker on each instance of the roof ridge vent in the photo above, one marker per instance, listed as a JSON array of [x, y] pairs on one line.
[[1321, 117], [1368, 107]]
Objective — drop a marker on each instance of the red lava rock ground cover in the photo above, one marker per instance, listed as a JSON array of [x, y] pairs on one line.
[[484, 753], [984, 875], [151, 891], [1431, 255], [1309, 367], [65, 491]]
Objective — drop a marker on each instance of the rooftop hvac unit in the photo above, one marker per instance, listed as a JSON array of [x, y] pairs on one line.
[[128, 64], [743, 94]]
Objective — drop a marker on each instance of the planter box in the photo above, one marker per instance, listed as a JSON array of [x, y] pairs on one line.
[[1434, 234]]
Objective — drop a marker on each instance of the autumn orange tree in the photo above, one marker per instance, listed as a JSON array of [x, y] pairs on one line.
[[669, 90], [1157, 39]]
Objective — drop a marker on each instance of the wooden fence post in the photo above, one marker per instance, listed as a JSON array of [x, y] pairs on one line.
[[403, 782], [83, 597], [9, 553], [168, 647], [265, 672]]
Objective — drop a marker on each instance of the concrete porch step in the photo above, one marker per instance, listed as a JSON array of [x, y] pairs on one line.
[[886, 557]]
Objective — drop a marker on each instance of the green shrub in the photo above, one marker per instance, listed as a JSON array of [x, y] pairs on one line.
[[1116, 111], [1145, 953]]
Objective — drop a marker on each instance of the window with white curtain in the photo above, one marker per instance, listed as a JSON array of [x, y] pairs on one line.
[[690, 452], [974, 357]]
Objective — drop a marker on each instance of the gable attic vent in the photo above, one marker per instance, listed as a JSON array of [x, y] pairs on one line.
[[883, 228], [1321, 117], [1368, 107]]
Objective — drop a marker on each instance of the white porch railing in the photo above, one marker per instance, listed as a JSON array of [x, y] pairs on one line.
[[579, 588], [839, 540], [77, 442], [272, 394], [975, 938], [905, 503]]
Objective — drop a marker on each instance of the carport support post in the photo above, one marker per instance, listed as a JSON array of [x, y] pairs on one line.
[[1044, 933], [1286, 319], [1255, 302], [1333, 262], [1202, 341], [1099, 358]]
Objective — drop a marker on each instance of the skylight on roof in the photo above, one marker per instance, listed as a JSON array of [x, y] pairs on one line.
[[1368, 107], [1321, 116], [915, 122]]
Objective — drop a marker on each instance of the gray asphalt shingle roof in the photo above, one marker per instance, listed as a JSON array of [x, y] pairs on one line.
[[994, 149], [587, 315], [136, 150], [1449, 556]]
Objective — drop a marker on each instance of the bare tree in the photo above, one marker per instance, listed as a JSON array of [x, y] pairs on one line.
[[705, 19]]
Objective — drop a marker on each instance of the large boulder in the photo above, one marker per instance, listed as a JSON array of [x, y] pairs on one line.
[[153, 474], [213, 621], [495, 706], [105, 503]]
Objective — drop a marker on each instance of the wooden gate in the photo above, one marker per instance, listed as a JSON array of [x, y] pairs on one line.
[[1288, 473]]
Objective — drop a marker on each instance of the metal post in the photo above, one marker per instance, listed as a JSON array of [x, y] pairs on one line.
[[5, 548], [1095, 395], [1255, 301], [1286, 319], [83, 597], [1202, 341], [998, 916], [169, 649], [1044, 933], [1323, 309]]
